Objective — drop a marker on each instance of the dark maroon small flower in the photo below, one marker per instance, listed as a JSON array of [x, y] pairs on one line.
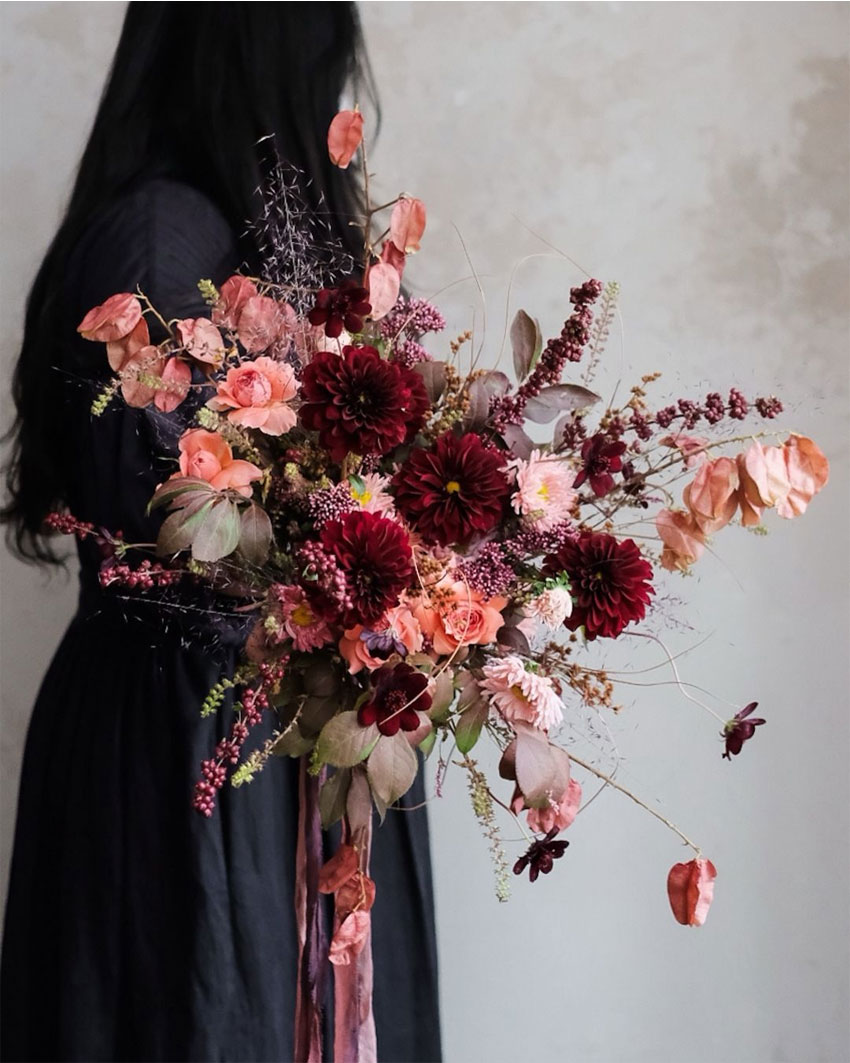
[[341, 308], [541, 856], [739, 730], [601, 457], [400, 695]]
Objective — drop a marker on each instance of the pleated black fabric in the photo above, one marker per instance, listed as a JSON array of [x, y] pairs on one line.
[[135, 928]]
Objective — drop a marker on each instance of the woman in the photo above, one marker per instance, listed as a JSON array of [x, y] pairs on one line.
[[136, 929]]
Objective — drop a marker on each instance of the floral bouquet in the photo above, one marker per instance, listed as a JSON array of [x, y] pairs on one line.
[[420, 571]]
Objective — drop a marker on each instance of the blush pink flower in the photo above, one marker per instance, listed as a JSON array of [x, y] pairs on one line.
[[207, 456], [233, 295], [560, 814], [520, 695], [112, 320], [454, 615], [712, 496], [256, 394], [398, 630], [307, 631], [373, 496], [201, 339], [264, 322], [552, 606], [684, 540], [544, 494]]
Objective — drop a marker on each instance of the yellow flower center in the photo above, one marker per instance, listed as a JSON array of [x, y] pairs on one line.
[[517, 692], [302, 615], [543, 491], [452, 487], [364, 497]]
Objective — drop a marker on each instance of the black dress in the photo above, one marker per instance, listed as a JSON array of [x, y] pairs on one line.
[[135, 928]]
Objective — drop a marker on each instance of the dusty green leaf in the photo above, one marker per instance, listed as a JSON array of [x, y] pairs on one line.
[[556, 399], [344, 743], [391, 768], [292, 743], [218, 534], [474, 708], [333, 797], [175, 490], [255, 534], [180, 528]]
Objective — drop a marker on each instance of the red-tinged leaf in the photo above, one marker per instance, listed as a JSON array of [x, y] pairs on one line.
[[513, 639], [391, 254], [520, 443], [384, 284], [255, 534], [556, 399], [495, 383], [350, 938], [474, 709], [442, 696], [690, 888], [170, 491], [507, 765], [218, 534], [479, 407], [407, 224], [536, 770], [525, 343], [344, 137], [342, 865], [344, 743], [333, 796], [179, 529], [434, 376], [391, 768], [356, 894], [358, 807]]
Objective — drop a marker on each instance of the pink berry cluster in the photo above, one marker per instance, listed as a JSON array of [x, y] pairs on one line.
[[65, 524], [147, 576]]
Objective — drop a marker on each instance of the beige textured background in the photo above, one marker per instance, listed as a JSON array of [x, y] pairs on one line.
[[697, 153]]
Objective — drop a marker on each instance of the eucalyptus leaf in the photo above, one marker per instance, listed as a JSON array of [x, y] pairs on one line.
[[559, 398], [180, 528], [255, 534], [513, 639], [479, 406], [525, 343], [391, 767], [520, 443], [218, 534], [344, 743], [171, 491]]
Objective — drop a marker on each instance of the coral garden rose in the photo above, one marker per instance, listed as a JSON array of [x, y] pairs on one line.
[[112, 320], [201, 339], [396, 632], [454, 615], [207, 456], [256, 394]]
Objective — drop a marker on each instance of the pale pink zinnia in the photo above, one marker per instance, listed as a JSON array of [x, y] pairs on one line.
[[256, 394], [307, 631], [521, 695], [544, 494], [373, 495]]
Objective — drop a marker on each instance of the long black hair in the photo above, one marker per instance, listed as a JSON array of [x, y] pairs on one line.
[[194, 87]]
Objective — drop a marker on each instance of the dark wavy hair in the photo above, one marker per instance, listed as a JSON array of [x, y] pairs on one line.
[[198, 88]]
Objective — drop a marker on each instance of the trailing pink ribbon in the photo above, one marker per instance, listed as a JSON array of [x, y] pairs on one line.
[[312, 938]]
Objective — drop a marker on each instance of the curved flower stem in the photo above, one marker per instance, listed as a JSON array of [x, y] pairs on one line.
[[675, 670], [608, 780]]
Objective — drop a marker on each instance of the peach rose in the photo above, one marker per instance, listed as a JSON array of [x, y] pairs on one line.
[[201, 339], [207, 456], [684, 540], [458, 616], [712, 495], [232, 297], [399, 624], [256, 394], [263, 322], [112, 320]]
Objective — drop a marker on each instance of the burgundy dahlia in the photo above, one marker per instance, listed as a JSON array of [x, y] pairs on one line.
[[341, 308], [452, 490], [360, 404], [541, 856], [740, 729], [374, 556], [399, 693], [609, 582], [601, 457]]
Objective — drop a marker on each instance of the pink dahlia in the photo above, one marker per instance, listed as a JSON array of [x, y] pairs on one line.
[[520, 695]]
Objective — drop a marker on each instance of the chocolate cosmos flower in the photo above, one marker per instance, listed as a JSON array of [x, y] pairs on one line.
[[541, 857], [601, 457], [400, 695], [739, 730], [341, 308]]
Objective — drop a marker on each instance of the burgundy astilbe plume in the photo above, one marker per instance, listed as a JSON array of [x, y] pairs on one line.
[[609, 582], [360, 404], [455, 488]]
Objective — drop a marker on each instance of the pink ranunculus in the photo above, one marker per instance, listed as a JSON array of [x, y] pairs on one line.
[[560, 814], [393, 257], [399, 624], [233, 295], [712, 495], [206, 455], [684, 540], [118, 352], [407, 224], [544, 494], [455, 615], [202, 340], [808, 472], [256, 394], [384, 284], [691, 447], [520, 695], [263, 322], [112, 320], [345, 134], [177, 377], [144, 363]]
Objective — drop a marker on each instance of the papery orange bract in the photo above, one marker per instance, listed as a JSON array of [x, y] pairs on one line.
[[690, 888], [233, 295], [206, 455], [384, 284], [684, 540], [112, 320], [764, 475], [118, 352], [342, 865], [145, 361], [350, 938], [748, 496], [808, 472], [691, 447], [355, 894], [712, 495], [263, 322], [407, 224], [345, 134], [202, 340], [393, 257], [177, 374]]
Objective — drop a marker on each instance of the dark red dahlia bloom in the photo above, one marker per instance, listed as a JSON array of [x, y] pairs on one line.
[[609, 582], [374, 556], [740, 729], [541, 856], [601, 457], [399, 693], [360, 404], [341, 308], [452, 490]]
